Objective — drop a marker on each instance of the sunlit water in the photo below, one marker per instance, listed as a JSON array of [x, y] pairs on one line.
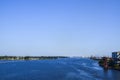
[[59, 69]]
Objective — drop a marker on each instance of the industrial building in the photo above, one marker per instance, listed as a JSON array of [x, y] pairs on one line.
[[116, 57]]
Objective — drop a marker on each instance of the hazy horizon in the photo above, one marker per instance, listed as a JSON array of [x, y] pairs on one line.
[[59, 27]]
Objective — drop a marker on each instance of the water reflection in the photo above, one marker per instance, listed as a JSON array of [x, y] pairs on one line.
[[115, 75]]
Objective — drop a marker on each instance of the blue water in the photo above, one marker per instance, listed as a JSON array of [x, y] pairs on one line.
[[59, 69]]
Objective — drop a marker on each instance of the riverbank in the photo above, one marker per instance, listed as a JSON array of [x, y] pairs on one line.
[[108, 63]]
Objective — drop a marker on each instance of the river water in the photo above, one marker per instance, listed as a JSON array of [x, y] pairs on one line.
[[59, 69]]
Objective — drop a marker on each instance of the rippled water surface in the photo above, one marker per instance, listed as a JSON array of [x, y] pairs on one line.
[[59, 69]]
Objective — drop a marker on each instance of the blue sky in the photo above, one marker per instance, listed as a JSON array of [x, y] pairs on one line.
[[59, 27]]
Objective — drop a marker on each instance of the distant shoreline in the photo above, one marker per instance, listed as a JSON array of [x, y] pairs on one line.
[[30, 57]]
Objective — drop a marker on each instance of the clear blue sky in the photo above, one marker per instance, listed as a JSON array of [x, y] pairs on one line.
[[59, 27]]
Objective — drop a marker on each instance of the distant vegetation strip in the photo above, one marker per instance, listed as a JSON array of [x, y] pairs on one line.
[[30, 57]]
